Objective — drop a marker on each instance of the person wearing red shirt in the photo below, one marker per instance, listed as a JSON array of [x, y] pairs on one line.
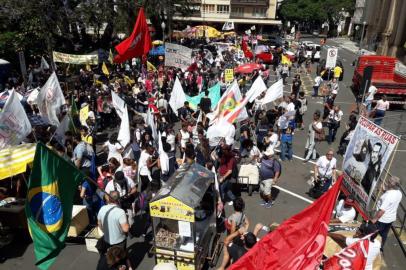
[[225, 171]]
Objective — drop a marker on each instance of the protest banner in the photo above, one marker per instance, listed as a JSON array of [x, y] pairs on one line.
[[366, 157], [177, 56], [91, 59], [229, 75]]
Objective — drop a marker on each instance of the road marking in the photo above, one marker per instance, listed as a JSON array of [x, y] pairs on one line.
[[293, 194]]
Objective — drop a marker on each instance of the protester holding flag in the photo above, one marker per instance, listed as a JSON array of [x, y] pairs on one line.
[[365, 231]]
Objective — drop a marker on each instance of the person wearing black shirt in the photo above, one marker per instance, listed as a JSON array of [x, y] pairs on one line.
[[205, 103], [329, 104]]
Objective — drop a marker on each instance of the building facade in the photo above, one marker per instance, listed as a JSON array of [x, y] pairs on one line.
[[241, 12], [385, 26]]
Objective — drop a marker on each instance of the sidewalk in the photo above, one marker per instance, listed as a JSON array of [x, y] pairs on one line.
[[346, 43]]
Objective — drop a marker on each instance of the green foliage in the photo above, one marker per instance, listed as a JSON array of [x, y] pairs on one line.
[[76, 26], [315, 10]]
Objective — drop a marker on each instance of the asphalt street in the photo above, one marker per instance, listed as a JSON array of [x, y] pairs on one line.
[[294, 178]]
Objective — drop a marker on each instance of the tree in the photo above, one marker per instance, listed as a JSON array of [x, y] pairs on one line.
[[316, 11]]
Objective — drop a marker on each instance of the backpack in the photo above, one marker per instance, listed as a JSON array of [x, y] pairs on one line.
[[303, 108]]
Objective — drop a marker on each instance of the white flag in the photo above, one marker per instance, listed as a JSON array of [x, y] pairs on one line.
[[44, 64], [293, 30], [151, 123], [32, 97], [163, 156], [256, 89], [14, 123], [178, 97], [50, 99], [274, 92], [228, 26], [118, 104], [62, 128], [124, 132]]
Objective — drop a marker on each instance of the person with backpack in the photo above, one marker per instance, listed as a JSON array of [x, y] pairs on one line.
[[91, 199], [125, 187], [269, 171], [238, 218]]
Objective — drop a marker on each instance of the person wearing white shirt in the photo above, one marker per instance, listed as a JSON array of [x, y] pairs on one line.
[[317, 82], [325, 170], [123, 185], [370, 97], [334, 119], [381, 107], [387, 207], [271, 141], [145, 163], [345, 211], [363, 231]]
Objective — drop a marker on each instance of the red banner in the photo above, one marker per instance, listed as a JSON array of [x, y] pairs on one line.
[[298, 243], [353, 257]]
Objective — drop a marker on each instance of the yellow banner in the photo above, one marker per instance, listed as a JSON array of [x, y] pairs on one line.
[[84, 114], [172, 208], [229, 75], [14, 160], [91, 59]]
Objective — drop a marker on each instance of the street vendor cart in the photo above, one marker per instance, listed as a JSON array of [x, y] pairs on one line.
[[184, 219]]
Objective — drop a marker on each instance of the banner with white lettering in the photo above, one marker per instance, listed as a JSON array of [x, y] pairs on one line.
[[14, 123], [177, 56], [367, 154]]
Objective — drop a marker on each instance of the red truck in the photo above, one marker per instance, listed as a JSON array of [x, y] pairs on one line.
[[388, 76]]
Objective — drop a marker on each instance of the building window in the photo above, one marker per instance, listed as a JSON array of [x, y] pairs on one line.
[[259, 12], [208, 8], [224, 9], [237, 11]]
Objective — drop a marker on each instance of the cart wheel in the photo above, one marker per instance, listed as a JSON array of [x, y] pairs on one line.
[[250, 189], [212, 248]]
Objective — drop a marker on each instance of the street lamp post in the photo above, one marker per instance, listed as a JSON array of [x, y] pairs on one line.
[[163, 25], [362, 35]]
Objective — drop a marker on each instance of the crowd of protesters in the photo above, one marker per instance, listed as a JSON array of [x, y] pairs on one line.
[[126, 177]]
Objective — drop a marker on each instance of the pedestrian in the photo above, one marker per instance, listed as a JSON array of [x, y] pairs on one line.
[[91, 199], [365, 231], [308, 65], [345, 211], [269, 171], [379, 111], [325, 170], [82, 154], [145, 163], [329, 104], [334, 119], [227, 165], [285, 73], [113, 222], [114, 148], [286, 144], [238, 217], [370, 97], [296, 84], [302, 110], [116, 258], [387, 207], [271, 141], [317, 82], [315, 134], [337, 72]]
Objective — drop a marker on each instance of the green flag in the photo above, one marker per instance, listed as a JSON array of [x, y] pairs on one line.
[[214, 95], [53, 183]]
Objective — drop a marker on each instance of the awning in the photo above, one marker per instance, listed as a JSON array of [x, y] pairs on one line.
[[14, 160]]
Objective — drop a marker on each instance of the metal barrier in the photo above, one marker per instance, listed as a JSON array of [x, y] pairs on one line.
[[401, 218]]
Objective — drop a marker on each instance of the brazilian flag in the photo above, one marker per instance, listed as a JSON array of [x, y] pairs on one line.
[[51, 189]]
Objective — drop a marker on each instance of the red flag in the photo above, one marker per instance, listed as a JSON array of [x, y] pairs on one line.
[[352, 257], [247, 53], [138, 43], [298, 243]]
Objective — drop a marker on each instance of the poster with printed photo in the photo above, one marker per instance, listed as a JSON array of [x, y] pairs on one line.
[[367, 155]]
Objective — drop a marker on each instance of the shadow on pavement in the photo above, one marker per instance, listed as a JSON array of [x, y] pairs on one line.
[[16, 248], [137, 251]]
